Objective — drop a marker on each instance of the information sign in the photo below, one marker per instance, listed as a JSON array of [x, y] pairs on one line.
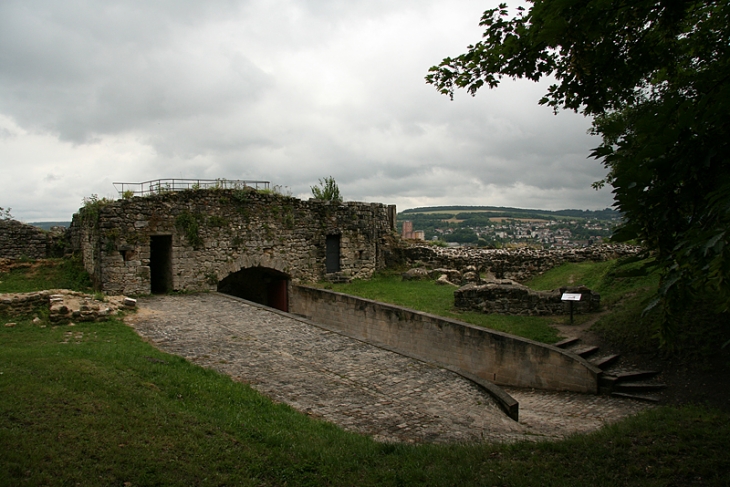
[[571, 297]]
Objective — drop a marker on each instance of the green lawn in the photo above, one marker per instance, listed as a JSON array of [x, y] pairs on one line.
[[93, 404]]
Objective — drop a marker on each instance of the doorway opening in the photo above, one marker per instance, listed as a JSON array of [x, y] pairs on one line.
[[332, 260], [258, 284], [161, 264]]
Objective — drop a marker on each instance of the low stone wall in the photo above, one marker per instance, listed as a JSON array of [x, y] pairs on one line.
[[516, 264], [18, 240], [24, 304], [63, 306], [490, 355], [509, 297]]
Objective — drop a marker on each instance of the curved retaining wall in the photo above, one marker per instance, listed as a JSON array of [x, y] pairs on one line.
[[490, 355]]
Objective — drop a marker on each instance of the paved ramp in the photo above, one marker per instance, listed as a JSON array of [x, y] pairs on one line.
[[355, 385]]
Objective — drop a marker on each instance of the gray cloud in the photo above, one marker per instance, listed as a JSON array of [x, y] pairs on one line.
[[286, 90]]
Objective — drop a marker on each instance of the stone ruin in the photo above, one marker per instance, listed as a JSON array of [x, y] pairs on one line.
[[63, 306], [520, 264], [252, 244], [21, 241], [504, 296], [245, 242], [487, 278]]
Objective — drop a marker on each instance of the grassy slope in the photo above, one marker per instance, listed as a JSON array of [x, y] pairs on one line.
[[439, 300], [93, 404]]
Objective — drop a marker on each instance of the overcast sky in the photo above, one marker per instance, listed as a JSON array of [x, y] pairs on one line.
[[287, 91]]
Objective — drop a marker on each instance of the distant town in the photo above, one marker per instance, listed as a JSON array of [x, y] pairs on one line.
[[507, 227]]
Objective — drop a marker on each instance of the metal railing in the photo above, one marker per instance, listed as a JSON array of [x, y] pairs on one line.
[[158, 186]]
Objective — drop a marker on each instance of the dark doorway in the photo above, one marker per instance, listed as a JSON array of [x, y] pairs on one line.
[[332, 261], [161, 264], [260, 285]]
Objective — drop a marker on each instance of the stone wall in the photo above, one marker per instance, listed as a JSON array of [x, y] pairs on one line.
[[215, 233], [61, 305], [490, 355], [24, 304], [518, 264], [18, 240], [509, 297]]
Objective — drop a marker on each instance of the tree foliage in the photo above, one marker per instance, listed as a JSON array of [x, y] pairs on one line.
[[654, 76], [327, 190]]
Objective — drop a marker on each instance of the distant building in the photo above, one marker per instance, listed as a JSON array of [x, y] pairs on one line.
[[410, 234], [407, 229]]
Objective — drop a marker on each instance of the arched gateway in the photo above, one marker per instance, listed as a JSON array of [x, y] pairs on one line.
[[245, 242], [258, 284]]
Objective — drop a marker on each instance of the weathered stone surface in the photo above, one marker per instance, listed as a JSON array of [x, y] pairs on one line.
[[416, 274], [18, 240], [64, 306], [509, 297], [443, 280], [516, 264], [453, 275], [216, 233]]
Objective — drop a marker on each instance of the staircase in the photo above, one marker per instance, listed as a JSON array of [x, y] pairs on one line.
[[616, 380]]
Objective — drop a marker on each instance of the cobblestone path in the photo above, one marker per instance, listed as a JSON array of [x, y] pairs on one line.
[[355, 385]]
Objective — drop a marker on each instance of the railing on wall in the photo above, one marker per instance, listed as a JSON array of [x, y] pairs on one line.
[[158, 186]]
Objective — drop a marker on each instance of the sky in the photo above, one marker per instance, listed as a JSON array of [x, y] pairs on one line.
[[286, 91]]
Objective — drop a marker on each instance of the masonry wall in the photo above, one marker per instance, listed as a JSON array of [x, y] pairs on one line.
[[218, 232], [518, 264], [497, 357], [509, 297], [18, 240]]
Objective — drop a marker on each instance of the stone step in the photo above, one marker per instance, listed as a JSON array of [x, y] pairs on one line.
[[636, 375], [567, 342], [585, 351], [608, 381], [639, 387], [606, 361], [639, 397]]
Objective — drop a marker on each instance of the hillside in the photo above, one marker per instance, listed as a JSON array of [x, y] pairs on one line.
[[606, 214], [491, 226]]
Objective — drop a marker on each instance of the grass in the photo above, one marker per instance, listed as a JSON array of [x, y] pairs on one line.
[[94, 405], [388, 287], [614, 280], [45, 274], [626, 287]]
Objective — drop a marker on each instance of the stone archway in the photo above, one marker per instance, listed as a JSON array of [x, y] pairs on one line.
[[261, 285]]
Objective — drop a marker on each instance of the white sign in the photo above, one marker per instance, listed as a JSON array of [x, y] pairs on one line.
[[571, 297]]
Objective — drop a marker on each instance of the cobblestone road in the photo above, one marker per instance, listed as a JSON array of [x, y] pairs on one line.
[[353, 384]]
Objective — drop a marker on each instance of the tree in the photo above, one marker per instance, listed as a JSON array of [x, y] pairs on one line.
[[653, 75], [327, 190], [5, 214]]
